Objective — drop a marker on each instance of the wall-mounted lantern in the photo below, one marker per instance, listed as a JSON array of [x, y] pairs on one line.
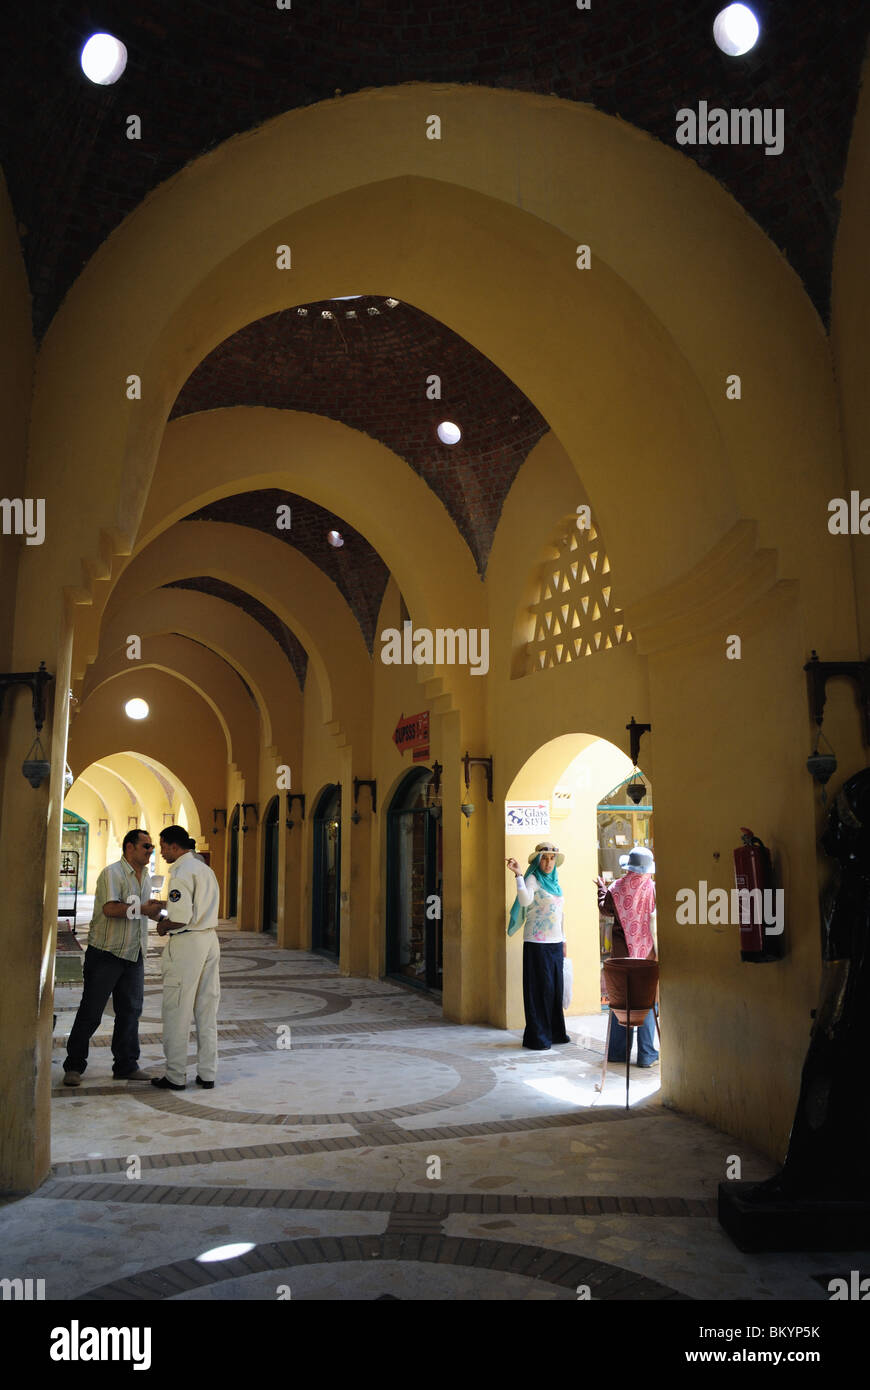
[[372, 785], [36, 766], [822, 766], [246, 807], [485, 763], [291, 797], [635, 787], [433, 791], [218, 811]]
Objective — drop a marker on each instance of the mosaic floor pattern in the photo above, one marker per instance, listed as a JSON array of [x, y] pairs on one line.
[[357, 1146]]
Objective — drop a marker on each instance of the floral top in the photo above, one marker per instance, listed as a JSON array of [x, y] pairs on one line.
[[544, 912]]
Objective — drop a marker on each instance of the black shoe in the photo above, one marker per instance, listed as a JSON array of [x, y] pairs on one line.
[[164, 1084], [206, 1085]]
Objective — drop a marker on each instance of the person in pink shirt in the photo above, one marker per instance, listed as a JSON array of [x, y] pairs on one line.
[[632, 900]]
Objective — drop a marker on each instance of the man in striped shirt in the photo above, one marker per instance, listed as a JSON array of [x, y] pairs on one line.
[[115, 962]]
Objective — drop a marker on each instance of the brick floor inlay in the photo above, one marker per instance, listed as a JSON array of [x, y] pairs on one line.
[[534, 1262]]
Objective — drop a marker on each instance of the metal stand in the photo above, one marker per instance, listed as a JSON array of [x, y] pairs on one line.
[[627, 1034], [599, 1085]]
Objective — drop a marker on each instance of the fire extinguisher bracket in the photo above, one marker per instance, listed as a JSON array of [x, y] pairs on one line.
[[756, 895]]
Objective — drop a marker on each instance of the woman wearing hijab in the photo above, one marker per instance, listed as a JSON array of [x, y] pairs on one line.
[[538, 909]]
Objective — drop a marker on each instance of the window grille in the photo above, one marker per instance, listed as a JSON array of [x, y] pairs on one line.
[[576, 614]]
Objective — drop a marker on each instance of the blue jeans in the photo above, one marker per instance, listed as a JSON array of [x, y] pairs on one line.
[[105, 975], [646, 1040]]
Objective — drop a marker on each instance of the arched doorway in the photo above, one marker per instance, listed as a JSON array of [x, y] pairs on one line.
[[414, 876], [233, 872], [270, 868], [556, 795], [326, 903]]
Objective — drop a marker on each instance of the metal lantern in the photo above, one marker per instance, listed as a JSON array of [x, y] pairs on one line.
[[821, 767], [36, 770], [636, 790]]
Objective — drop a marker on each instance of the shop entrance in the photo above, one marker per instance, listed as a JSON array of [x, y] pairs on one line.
[[270, 868], [326, 905], [624, 821], [414, 881], [233, 875], [75, 837]]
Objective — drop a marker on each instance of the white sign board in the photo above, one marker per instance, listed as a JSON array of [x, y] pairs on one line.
[[526, 817]]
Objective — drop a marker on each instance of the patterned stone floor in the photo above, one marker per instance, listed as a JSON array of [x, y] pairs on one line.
[[356, 1146]]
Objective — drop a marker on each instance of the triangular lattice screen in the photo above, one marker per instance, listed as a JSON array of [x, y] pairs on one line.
[[575, 614]]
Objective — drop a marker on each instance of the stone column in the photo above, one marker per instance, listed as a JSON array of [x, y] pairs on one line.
[[29, 867]]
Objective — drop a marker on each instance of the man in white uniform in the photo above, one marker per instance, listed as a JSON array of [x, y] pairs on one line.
[[191, 963]]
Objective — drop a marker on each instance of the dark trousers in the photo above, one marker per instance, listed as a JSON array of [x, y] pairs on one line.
[[542, 995], [646, 1040], [105, 975]]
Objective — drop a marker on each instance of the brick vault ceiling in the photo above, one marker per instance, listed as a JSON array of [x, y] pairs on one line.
[[202, 71], [370, 372], [287, 641], [355, 568]]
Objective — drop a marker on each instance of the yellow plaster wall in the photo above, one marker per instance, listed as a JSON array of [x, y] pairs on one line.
[[728, 749]]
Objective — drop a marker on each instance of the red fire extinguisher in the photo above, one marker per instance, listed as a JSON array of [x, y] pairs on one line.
[[753, 871]]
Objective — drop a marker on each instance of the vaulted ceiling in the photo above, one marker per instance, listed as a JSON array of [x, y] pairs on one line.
[[366, 362], [203, 70]]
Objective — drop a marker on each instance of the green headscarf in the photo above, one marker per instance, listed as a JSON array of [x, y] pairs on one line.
[[550, 884]]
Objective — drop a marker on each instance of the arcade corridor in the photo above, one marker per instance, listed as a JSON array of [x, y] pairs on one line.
[[317, 1158]]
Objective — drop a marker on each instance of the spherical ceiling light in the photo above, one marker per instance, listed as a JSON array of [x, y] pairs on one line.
[[103, 59], [225, 1252], [335, 538], [136, 709], [735, 30], [449, 433]]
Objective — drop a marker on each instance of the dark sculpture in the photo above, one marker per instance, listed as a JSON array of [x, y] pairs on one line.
[[829, 1147], [821, 1197]]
